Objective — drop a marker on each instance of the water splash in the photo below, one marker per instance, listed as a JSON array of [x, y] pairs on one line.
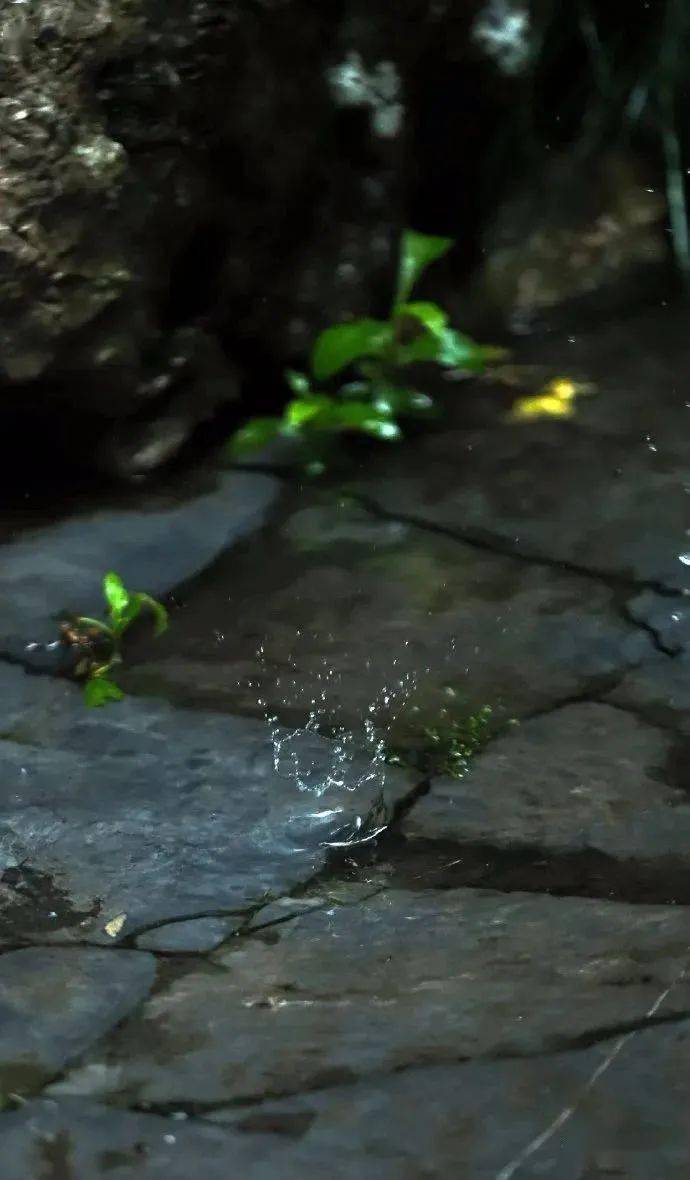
[[358, 755]]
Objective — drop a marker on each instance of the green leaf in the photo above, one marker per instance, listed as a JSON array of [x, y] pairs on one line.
[[339, 346], [160, 614], [126, 617], [298, 382], [360, 416], [115, 594], [99, 690], [417, 251], [254, 435], [460, 352], [346, 415], [425, 347], [433, 317], [301, 411]]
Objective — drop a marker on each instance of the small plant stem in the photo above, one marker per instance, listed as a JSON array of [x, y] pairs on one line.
[[86, 621]]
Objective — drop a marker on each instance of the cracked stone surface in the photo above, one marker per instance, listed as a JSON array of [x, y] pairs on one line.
[[585, 777], [129, 813], [163, 542], [421, 1122], [336, 611], [403, 978], [613, 506], [75, 1139], [659, 690], [55, 1002], [195, 935], [482, 1115], [210, 961]]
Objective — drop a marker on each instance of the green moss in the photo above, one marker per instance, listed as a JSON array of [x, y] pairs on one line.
[[447, 748]]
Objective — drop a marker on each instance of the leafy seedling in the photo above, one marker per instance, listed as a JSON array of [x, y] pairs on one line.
[[446, 748], [99, 641], [378, 352]]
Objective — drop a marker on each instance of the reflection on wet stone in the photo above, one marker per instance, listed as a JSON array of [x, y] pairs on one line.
[[382, 867]]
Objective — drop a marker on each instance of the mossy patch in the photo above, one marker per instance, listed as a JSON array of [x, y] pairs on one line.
[[446, 748]]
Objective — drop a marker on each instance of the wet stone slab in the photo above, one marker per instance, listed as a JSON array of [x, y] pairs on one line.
[[70, 1140], [56, 1002], [154, 547], [405, 978], [195, 936], [550, 491], [587, 777], [139, 816], [658, 690], [346, 618], [475, 1120]]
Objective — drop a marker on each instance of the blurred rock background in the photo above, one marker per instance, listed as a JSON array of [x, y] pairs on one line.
[[190, 190]]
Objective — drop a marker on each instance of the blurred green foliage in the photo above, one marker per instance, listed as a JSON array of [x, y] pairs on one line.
[[374, 354]]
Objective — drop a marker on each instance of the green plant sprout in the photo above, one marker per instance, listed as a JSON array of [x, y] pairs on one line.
[[100, 640], [446, 749], [379, 351]]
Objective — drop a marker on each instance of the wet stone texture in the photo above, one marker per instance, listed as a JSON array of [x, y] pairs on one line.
[[357, 616], [144, 820], [234, 938], [401, 979]]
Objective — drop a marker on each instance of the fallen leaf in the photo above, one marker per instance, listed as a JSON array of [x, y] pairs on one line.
[[555, 400], [114, 926]]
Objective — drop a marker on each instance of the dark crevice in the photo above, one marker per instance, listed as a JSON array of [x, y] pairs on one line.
[[338, 1078], [342, 856], [597, 1036], [489, 543], [676, 772], [654, 635], [405, 805], [594, 692], [415, 863], [658, 717], [129, 939], [258, 928]]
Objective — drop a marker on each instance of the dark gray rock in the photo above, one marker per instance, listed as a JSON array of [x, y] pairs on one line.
[[197, 935], [154, 547], [476, 1120], [668, 617], [75, 1139], [404, 979], [551, 492], [56, 1002], [134, 818], [342, 616], [585, 777], [659, 691], [31, 705]]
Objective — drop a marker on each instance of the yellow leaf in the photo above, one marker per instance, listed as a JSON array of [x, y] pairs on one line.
[[114, 926], [541, 406], [556, 399], [562, 388]]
